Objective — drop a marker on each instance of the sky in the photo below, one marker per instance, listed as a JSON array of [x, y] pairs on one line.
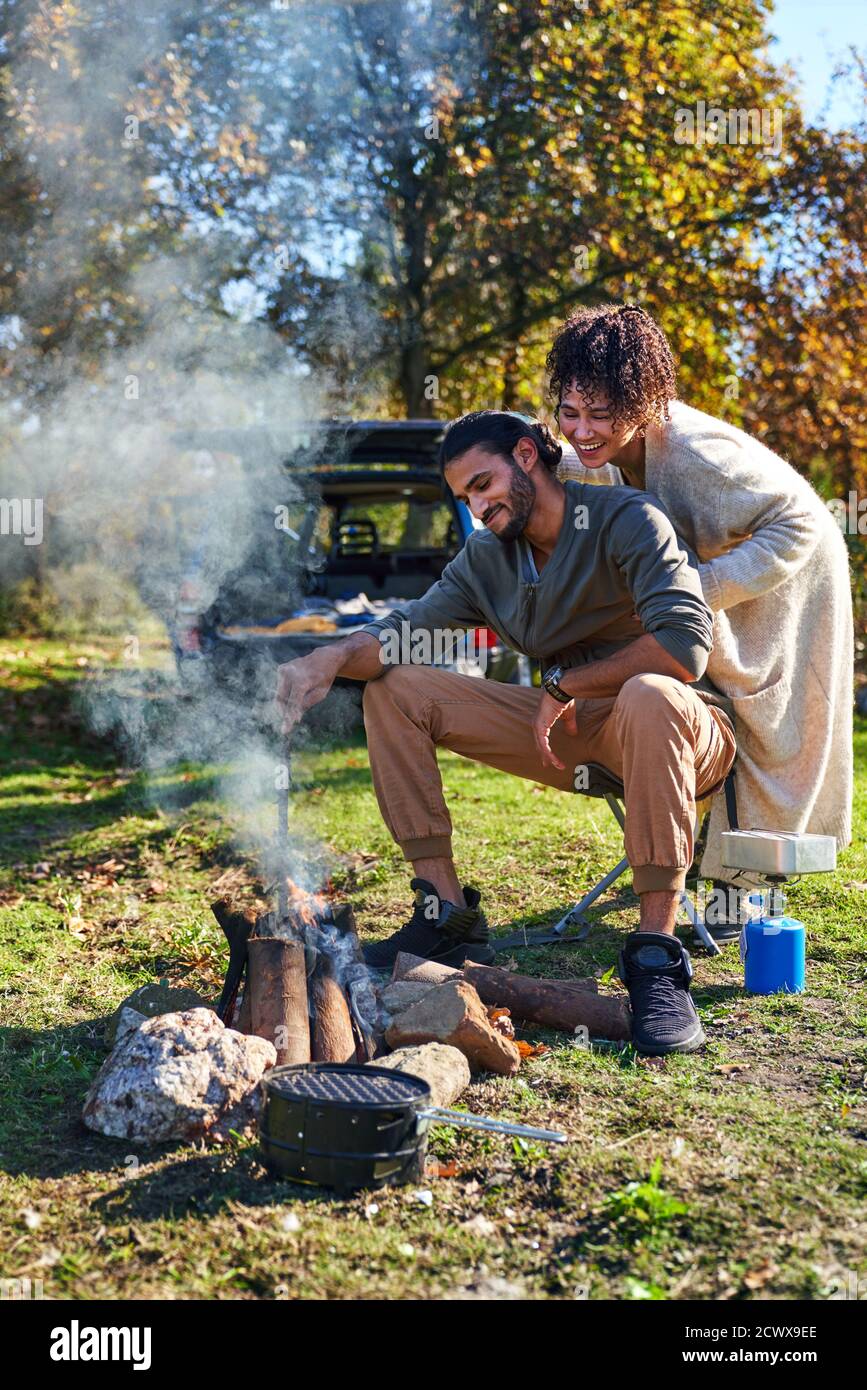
[[812, 35]]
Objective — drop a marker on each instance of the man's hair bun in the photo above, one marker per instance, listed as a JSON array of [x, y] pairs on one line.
[[498, 431]]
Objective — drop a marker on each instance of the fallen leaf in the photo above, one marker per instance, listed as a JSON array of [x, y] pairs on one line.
[[651, 1063], [501, 1019], [531, 1049], [761, 1275], [435, 1169], [730, 1068]]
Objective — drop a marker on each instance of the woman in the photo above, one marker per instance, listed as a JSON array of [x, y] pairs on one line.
[[772, 563]]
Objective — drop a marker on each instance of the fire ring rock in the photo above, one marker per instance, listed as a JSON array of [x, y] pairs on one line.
[[445, 1069], [159, 997], [454, 1014], [179, 1076]]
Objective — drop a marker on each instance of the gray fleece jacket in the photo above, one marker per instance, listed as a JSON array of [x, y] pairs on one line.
[[617, 570]]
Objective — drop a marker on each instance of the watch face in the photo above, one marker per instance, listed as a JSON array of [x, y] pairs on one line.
[[551, 683]]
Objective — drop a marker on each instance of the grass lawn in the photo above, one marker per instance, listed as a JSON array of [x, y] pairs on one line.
[[740, 1172]]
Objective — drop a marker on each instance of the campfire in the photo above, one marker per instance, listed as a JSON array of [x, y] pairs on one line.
[[297, 977], [297, 991]]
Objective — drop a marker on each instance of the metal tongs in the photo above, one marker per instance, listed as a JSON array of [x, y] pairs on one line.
[[464, 1121]]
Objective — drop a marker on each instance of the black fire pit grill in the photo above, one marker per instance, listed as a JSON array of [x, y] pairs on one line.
[[357, 1126]]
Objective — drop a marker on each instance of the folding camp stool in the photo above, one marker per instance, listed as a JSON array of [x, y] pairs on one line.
[[604, 785]]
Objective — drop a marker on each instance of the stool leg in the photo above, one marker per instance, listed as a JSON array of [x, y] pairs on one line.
[[695, 918], [574, 915], [698, 924]]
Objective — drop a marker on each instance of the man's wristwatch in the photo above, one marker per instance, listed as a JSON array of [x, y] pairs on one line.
[[551, 682]]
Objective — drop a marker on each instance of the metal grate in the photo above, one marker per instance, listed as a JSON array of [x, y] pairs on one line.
[[358, 1087]]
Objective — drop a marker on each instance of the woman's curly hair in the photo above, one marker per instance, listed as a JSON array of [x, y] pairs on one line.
[[497, 432], [616, 350]]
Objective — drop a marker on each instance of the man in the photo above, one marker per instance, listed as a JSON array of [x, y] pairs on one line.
[[594, 583]]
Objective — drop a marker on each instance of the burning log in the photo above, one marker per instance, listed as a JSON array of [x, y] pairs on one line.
[[332, 1034], [277, 984], [237, 925], [337, 1019], [244, 1021], [561, 1004]]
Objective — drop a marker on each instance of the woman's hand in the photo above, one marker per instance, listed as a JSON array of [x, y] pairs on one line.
[[547, 714]]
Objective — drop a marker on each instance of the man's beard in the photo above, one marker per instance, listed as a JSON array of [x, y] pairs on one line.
[[522, 495]]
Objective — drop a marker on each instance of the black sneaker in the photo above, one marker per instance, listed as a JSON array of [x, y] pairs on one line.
[[437, 930], [657, 971]]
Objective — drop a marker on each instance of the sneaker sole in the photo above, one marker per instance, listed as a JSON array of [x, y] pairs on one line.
[[690, 1044]]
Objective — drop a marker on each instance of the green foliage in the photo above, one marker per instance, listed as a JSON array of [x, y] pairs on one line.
[[644, 1204], [82, 600]]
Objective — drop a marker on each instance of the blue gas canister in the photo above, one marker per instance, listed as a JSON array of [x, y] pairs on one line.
[[773, 950]]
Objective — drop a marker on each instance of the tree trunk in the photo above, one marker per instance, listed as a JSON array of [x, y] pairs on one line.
[[510, 377], [414, 369]]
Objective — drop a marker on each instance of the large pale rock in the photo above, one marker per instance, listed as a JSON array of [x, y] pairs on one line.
[[445, 1069], [129, 1020], [453, 1013], [399, 995], [178, 1076], [158, 997]]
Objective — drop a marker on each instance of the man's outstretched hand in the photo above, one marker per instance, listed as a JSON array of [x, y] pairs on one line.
[[547, 714], [300, 685]]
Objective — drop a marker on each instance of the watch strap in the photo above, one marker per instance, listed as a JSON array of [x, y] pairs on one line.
[[550, 681]]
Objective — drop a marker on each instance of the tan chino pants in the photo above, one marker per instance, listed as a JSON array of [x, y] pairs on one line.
[[668, 747]]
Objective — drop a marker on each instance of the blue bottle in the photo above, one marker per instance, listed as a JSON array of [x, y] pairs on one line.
[[773, 950]]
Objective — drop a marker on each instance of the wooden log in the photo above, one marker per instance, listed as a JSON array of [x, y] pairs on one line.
[[561, 1004], [245, 1013], [238, 925], [344, 920], [277, 979], [332, 1035], [234, 917]]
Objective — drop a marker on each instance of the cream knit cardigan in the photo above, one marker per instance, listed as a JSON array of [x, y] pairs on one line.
[[775, 571]]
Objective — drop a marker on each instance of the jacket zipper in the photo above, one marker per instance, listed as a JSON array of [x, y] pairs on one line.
[[530, 615]]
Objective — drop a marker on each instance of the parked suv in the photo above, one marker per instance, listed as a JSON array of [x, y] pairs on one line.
[[372, 523]]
